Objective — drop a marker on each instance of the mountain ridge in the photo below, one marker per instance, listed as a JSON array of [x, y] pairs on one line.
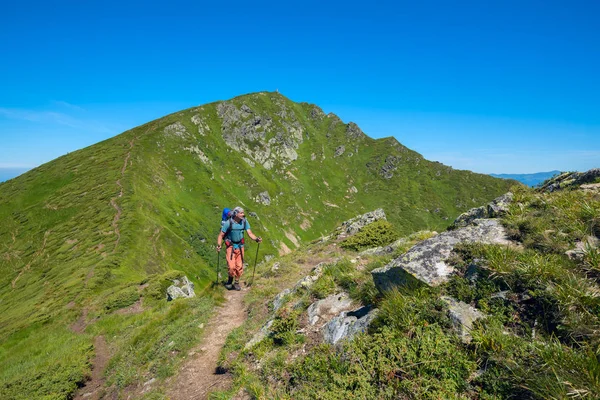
[[105, 227]]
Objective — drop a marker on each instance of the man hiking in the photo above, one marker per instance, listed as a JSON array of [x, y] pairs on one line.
[[232, 231]]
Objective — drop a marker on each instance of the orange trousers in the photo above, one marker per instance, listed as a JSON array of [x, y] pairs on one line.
[[235, 261]]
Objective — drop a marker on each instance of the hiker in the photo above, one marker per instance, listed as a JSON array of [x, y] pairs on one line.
[[232, 231]]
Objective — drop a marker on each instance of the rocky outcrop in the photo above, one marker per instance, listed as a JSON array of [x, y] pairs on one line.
[[348, 324], [389, 166], [355, 224], [263, 198], [463, 316], [353, 131], [181, 287], [495, 208], [177, 129], [425, 262], [571, 179], [339, 151], [262, 139], [323, 310]]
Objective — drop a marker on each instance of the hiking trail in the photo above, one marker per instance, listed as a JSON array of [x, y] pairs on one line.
[[198, 376]]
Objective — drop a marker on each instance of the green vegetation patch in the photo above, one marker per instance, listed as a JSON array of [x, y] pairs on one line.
[[378, 233]]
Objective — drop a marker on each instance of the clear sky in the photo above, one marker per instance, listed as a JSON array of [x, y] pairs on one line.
[[490, 86]]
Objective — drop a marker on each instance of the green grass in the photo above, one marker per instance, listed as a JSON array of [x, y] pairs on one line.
[[64, 251]]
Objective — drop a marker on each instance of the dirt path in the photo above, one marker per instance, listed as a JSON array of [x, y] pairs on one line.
[[113, 201], [198, 376], [93, 389]]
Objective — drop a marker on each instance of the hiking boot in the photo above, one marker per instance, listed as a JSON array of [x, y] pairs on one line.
[[228, 286], [237, 286]]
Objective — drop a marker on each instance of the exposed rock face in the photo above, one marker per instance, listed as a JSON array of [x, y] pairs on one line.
[[199, 121], [339, 151], [196, 150], [493, 209], [390, 165], [324, 310], [425, 262], [180, 288], [570, 179], [353, 131], [355, 224], [348, 324], [264, 141], [176, 129], [263, 198], [462, 316]]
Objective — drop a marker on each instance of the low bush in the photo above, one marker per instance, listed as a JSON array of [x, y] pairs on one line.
[[378, 233]]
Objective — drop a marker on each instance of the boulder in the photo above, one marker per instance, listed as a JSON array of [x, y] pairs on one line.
[[181, 287], [462, 316], [425, 262], [495, 208], [348, 324], [325, 309]]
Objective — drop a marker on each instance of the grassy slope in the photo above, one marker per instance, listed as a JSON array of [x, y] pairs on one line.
[[59, 243], [540, 340]]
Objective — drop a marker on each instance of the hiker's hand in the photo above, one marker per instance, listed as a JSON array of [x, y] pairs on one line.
[[258, 239], [218, 248]]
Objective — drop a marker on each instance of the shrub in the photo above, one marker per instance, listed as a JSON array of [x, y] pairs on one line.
[[121, 299], [378, 233]]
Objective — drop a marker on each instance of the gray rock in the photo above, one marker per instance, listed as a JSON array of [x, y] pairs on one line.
[[389, 166], [180, 288], [280, 299], [259, 336], [263, 198], [353, 131], [176, 129], [462, 316], [355, 224], [495, 208], [578, 253], [348, 324], [339, 151], [571, 179], [425, 262], [325, 309]]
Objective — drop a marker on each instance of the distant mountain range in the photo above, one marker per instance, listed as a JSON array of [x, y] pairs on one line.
[[528, 179]]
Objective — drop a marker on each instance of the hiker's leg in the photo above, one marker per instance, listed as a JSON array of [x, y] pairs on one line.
[[230, 261], [238, 267]]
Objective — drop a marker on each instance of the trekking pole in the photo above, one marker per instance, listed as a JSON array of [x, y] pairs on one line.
[[218, 259], [255, 259]]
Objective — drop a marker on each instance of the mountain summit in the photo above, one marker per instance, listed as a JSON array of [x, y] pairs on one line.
[[89, 240]]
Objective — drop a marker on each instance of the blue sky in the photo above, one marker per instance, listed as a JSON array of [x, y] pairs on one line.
[[489, 86]]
